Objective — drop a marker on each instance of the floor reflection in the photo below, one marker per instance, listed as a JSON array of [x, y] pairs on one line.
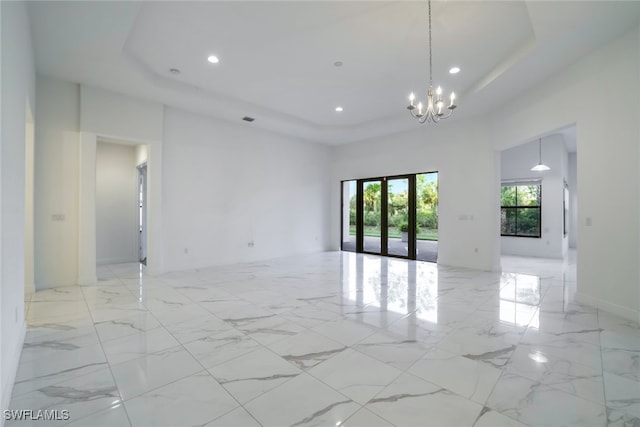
[[391, 285], [388, 285], [520, 297]]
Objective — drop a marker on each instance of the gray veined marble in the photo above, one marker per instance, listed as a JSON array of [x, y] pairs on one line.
[[51, 344], [70, 394], [495, 357], [330, 339], [303, 360], [396, 397]]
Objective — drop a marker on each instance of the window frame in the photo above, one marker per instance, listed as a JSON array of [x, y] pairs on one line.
[[516, 207]]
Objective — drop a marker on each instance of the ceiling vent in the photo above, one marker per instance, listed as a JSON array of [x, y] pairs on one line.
[[248, 119]]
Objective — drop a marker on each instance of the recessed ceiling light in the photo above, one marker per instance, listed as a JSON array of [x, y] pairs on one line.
[[174, 71], [213, 59], [454, 70], [338, 64], [339, 109]]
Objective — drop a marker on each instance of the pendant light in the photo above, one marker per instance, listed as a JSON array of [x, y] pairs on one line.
[[540, 167]]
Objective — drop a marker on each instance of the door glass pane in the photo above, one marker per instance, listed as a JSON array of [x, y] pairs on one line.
[[372, 215], [398, 216], [349, 200], [427, 216]]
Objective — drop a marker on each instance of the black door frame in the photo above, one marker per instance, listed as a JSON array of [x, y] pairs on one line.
[[384, 231], [384, 213]]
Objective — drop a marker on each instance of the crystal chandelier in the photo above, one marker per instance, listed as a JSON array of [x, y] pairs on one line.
[[434, 110]]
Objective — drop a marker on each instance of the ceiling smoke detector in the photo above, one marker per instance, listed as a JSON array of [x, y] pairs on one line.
[[248, 119]]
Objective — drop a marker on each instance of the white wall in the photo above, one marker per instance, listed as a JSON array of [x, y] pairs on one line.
[[226, 185], [116, 208], [516, 165], [17, 91], [56, 183], [468, 180], [255, 174], [608, 252], [133, 121], [464, 153], [72, 119]]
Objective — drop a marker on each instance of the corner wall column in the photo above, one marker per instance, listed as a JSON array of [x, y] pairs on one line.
[[87, 210]]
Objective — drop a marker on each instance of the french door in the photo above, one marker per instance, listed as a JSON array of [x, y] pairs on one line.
[[385, 216], [394, 216]]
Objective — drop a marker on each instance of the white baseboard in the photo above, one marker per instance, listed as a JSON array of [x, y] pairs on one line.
[[12, 370], [615, 309]]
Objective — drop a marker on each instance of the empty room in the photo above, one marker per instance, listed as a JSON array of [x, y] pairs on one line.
[[320, 213]]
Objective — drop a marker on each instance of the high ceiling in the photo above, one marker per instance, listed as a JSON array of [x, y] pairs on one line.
[[277, 58]]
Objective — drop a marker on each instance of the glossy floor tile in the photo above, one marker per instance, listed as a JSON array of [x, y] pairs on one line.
[[330, 339]]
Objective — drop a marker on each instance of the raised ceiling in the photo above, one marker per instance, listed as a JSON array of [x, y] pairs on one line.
[[277, 58]]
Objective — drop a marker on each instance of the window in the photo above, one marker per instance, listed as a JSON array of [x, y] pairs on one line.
[[520, 209]]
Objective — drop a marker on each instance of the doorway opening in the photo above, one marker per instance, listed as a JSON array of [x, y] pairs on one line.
[[121, 203], [393, 216], [538, 209]]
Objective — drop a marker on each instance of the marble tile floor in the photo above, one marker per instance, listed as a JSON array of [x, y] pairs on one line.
[[330, 339]]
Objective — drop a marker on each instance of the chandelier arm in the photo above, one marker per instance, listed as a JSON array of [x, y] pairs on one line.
[[416, 116], [448, 115]]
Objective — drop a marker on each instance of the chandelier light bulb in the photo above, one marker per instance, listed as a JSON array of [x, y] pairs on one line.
[[439, 91]]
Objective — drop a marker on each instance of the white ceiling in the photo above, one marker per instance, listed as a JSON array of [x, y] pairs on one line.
[[277, 58]]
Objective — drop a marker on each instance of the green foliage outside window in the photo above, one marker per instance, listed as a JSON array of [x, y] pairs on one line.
[[520, 210], [426, 209]]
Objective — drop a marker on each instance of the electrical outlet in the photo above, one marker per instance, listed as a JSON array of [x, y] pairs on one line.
[[251, 244], [57, 217]]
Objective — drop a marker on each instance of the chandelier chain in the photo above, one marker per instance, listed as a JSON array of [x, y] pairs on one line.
[[430, 50]]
